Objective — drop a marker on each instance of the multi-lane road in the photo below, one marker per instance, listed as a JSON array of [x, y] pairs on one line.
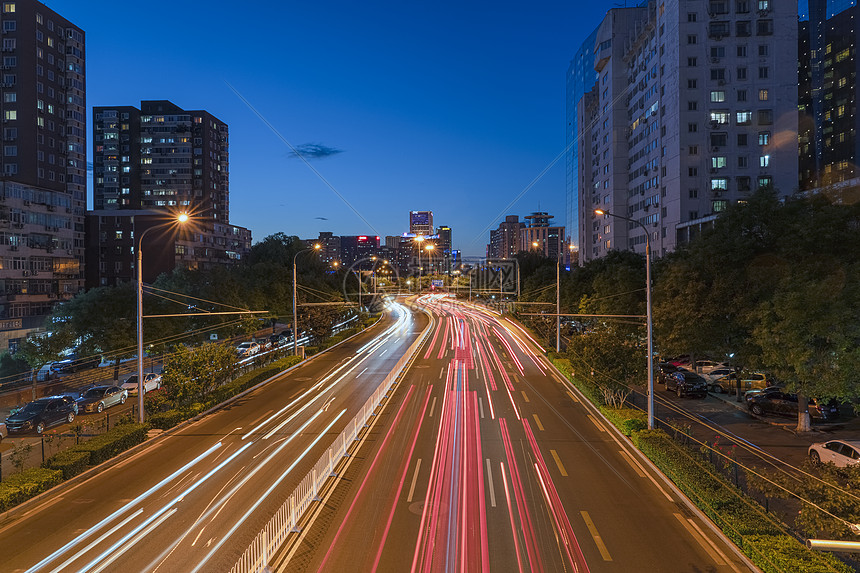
[[194, 499], [484, 460]]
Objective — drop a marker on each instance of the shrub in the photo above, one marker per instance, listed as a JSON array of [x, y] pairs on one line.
[[70, 462], [111, 443], [22, 486], [627, 420]]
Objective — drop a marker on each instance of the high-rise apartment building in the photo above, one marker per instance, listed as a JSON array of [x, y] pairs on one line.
[[694, 107], [43, 163], [505, 241], [153, 163], [161, 156], [580, 78], [827, 83]]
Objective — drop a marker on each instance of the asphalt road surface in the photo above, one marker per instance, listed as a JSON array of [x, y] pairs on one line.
[[195, 498], [485, 461]]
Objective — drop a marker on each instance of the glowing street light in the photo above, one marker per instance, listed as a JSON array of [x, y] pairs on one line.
[[181, 219], [649, 322]]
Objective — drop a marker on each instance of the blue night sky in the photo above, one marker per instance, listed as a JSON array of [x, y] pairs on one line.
[[449, 107]]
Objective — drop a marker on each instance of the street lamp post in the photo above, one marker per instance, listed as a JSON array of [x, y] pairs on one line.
[[649, 322], [419, 239], [295, 313], [181, 218]]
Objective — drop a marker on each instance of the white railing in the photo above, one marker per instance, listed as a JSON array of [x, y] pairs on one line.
[[255, 559]]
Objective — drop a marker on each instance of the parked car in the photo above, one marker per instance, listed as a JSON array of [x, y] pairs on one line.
[[840, 453], [749, 381], [288, 333], [277, 340], [247, 349], [717, 373], [74, 363], [681, 360], [664, 370], [42, 413], [706, 366], [785, 404], [151, 381], [686, 383], [97, 398]]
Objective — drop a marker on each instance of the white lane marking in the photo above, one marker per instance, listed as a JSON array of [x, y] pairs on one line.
[[490, 483], [432, 405], [414, 480], [362, 372], [442, 373], [481, 406]]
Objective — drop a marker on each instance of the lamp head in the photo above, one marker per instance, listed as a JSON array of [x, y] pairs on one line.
[[599, 212], [182, 217], [317, 247]]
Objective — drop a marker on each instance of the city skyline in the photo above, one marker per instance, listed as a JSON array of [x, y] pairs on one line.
[[459, 127]]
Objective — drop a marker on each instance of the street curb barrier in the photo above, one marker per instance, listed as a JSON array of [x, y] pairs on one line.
[[285, 521]]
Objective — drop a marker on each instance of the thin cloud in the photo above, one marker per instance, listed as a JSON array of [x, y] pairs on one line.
[[314, 151]]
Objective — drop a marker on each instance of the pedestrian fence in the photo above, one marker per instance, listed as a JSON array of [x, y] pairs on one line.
[[256, 557]]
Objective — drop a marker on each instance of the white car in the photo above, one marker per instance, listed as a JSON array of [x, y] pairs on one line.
[[840, 453], [247, 349], [707, 366], [719, 372], [151, 381]]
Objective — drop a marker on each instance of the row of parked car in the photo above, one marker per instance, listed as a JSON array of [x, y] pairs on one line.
[[49, 411], [246, 349]]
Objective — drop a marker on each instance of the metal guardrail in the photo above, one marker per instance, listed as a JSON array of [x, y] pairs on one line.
[[255, 559]]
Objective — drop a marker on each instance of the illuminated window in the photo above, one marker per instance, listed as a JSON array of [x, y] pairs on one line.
[[8, 7], [719, 117], [744, 117], [718, 96], [10, 114], [762, 95], [719, 184], [843, 55], [764, 160], [718, 162]]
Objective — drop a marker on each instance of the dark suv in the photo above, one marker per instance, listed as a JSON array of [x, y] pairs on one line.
[[42, 413], [775, 401], [686, 383]]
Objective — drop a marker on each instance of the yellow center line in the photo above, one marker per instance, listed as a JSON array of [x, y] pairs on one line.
[[558, 462], [537, 421], [526, 398], [572, 397], [597, 539]]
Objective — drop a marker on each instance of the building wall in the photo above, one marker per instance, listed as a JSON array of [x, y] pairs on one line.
[[43, 163], [421, 223], [695, 107]]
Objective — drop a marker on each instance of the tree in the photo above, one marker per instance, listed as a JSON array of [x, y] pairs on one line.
[[612, 357], [191, 374]]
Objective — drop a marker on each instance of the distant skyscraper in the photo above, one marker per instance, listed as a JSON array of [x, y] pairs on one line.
[[43, 103], [421, 222], [505, 241], [693, 108], [549, 238]]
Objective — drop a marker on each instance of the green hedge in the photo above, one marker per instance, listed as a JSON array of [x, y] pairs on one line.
[[22, 486], [111, 443], [742, 520], [627, 420], [70, 462]]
